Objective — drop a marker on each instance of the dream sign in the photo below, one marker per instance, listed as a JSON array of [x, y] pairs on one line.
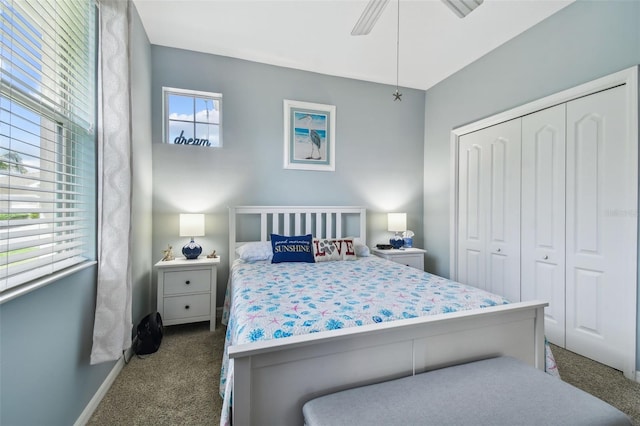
[[181, 140]]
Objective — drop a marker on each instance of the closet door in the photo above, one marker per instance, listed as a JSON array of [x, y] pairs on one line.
[[601, 227], [489, 206], [472, 211], [543, 216]]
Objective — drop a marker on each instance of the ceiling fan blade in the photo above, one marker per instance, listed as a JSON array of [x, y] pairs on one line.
[[374, 9], [462, 7], [369, 17]]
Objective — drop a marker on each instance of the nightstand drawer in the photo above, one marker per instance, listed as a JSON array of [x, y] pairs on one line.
[[192, 281], [186, 307], [415, 261], [413, 257]]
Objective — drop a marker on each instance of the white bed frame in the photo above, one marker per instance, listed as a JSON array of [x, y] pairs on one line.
[[274, 378], [322, 222]]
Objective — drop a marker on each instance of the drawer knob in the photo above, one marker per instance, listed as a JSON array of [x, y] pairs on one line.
[[187, 282], [546, 257], [186, 307]]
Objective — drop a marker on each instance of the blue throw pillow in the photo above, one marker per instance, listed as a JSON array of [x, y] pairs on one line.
[[296, 248]]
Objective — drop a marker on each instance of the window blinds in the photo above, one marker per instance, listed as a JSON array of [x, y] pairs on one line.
[[47, 140]]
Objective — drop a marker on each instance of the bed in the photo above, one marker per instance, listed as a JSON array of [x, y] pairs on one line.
[[298, 330]]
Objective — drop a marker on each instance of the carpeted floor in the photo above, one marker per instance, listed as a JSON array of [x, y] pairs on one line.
[[178, 385], [599, 380]]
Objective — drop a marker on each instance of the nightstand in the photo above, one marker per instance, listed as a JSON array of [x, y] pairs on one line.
[[187, 290], [413, 257]]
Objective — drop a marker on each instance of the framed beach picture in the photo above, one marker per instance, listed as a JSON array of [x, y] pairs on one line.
[[309, 136]]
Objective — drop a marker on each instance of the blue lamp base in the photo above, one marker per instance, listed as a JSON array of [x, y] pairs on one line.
[[396, 243], [191, 250]]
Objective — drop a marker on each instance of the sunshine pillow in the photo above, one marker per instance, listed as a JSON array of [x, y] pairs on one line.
[[296, 248], [333, 249]]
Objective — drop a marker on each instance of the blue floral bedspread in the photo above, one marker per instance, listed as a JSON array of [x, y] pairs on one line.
[[270, 301]]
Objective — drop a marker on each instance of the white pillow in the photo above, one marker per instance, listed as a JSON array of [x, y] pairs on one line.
[[251, 252], [361, 249]]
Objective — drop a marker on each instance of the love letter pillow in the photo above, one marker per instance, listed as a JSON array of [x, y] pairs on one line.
[[325, 249]]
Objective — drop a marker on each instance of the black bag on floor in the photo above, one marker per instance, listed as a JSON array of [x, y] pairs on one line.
[[149, 334]]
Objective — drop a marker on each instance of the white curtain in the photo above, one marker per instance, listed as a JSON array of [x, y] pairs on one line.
[[112, 326]]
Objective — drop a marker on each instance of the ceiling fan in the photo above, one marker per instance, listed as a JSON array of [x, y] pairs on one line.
[[374, 9]]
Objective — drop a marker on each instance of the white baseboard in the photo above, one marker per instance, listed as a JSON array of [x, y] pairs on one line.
[[91, 407]]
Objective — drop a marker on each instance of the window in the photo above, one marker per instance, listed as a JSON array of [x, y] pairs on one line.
[[47, 142], [192, 117]]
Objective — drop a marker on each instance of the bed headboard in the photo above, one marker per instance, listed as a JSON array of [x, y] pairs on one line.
[[257, 223]]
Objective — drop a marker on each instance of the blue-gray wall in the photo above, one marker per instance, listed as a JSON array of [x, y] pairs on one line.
[[379, 149], [584, 41], [46, 335], [142, 184], [46, 340]]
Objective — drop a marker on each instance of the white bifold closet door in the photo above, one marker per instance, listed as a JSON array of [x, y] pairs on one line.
[[546, 207], [489, 209], [579, 198], [543, 216], [601, 229]]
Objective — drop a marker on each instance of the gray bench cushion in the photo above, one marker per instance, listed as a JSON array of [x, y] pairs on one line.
[[496, 391]]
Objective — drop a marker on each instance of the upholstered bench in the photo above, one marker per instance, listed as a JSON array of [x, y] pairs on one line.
[[495, 391]]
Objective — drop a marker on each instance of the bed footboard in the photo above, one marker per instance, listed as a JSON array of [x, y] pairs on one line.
[[273, 379]]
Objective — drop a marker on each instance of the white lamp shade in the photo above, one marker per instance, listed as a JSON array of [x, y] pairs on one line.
[[397, 222], [191, 224]]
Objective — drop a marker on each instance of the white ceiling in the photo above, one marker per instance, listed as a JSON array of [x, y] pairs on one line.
[[315, 35]]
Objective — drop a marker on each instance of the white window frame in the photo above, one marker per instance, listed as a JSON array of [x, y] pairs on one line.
[[216, 97], [67, 239]]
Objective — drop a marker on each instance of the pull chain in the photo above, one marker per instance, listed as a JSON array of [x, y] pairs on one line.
[[397, 96]]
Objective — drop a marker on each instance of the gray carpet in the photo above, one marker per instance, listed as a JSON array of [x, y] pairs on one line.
[[599, 380], [178, 385]]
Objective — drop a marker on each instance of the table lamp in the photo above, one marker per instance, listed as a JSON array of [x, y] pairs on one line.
[[191, 225], [397, 222]]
